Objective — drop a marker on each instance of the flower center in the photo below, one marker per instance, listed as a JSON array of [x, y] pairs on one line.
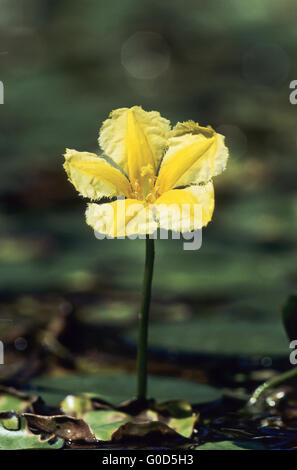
[[145, 188]]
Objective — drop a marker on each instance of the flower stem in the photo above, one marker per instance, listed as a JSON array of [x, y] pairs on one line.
[[275, 381], [143, 319]]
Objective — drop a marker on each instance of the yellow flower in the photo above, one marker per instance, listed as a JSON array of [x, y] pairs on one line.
[[163, 175]]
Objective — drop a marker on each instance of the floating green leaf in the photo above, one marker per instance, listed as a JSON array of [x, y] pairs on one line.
[[220, 334], [24, 439], [231, 445], [117, 388], [10, 421], [10, 403], [109, 424], [134, 429], [13, 400], [183, 426], [223, 445], [76, 405], [105, 422], [178, 415], [175, 408]]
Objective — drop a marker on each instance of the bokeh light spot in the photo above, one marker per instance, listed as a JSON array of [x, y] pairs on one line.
[[21, 344], [145, 55]]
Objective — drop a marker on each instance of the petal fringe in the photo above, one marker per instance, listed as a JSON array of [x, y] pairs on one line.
[[194, 156], [184, 210], [93, 177]]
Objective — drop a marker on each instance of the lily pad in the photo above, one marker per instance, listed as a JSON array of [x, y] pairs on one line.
[[13, 400], [178, 415], [134, 430], [220, 335], [76, 405], [23, 439], [183, 426], [114, 425], [10, 421], [229, 445], [10, 403], [117, 388], [223, 445], [104, 423]]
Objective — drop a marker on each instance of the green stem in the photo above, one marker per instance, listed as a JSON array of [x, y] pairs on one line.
[[143, 319], [272, 383]]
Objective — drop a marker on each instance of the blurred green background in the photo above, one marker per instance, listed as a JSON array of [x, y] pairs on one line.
[[65, 65]]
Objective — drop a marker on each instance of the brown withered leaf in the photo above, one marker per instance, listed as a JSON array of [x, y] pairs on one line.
[[153, 430], [63, 426]]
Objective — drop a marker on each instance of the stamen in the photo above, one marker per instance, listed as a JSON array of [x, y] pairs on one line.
[[156, 190], [136, 189], [147, 170], [152, 183], [147, 180], [150, 198]]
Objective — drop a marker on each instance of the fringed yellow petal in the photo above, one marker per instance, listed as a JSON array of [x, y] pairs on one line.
[[93, 177], [121, 218], [182, 128], [194, 156], [135, 139], [184, 210]]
